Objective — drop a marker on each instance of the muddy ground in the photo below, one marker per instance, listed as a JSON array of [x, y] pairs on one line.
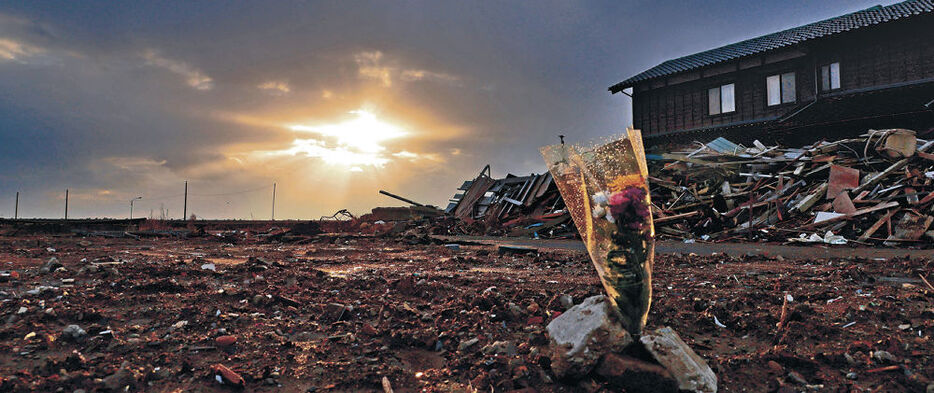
[[339, 313]]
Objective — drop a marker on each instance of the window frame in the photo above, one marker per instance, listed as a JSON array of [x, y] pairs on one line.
[[781, 90], [830, 74], [719, 88]]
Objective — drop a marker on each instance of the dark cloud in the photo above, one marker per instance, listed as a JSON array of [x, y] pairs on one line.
[[115, 100]]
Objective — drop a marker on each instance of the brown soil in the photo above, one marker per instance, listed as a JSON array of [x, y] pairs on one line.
[[408, 308]]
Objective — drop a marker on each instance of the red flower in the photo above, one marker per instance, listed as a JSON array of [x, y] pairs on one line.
[[629, 208]]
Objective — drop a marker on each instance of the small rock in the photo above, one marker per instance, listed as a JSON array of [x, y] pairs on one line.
[[178, 325], [505, 348], [582, 335], [635, 376], [566, 301], [884, 356], [852, 376], [22, 310], [515, 312], [849, 359], [52, 265], [691, 372], [467, 344], [259, 300], [797, 377], [74, 333], [225, 341], [775, 367]]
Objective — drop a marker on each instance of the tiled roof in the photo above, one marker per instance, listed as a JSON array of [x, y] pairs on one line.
[[868, 17]]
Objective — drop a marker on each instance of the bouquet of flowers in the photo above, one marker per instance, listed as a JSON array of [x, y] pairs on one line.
[[605, 189]]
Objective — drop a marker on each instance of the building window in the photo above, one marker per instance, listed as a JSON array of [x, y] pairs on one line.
[[721, 99], [781, 88], [830, 76]]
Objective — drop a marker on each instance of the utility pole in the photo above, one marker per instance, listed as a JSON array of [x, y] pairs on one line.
[[131, 205], [16, 209], [273, 201], [66, 203], [185, 208]]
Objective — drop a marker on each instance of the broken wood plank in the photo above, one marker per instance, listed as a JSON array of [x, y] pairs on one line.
[[875, 227], [891, 169], [676, 217]]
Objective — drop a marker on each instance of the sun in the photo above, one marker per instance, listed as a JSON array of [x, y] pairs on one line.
[[354, 143], [364, 132]]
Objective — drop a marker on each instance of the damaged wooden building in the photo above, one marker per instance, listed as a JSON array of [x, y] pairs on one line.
[[872, 68]]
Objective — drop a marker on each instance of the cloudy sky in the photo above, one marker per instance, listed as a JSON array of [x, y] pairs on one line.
[[330, 100]]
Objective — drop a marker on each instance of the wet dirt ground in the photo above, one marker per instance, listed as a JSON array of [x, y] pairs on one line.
[[340, 313]]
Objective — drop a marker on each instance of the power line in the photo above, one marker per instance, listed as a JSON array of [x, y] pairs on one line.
[[210, 195], [234, 192]]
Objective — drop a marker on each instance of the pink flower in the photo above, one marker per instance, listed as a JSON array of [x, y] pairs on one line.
[[629, 208]]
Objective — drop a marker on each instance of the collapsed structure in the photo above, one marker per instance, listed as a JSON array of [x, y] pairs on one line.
[[524, 205], [877, 188]]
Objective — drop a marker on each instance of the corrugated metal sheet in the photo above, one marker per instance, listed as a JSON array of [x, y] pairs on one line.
[[722, 145]]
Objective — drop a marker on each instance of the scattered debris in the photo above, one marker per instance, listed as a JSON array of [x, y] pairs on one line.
[[767, 193], [339, 311], [722, 191]]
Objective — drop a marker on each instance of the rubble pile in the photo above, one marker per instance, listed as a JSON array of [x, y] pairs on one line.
[[526, 206], [875, 189]]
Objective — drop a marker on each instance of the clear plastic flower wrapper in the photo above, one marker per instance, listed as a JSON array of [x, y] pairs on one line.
[[604, 185]]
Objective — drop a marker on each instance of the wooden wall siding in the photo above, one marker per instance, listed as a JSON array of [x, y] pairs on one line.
[[875, 57]]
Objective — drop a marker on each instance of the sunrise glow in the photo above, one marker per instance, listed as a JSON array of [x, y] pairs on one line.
[[353, 143]]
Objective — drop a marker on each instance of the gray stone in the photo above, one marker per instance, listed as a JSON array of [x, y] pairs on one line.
[[515, 312], [74, 333], [797, 377], [505, 348], [52, 265], [582, 335], [467, 344], [692, 373], [885, 357], [566, 301]]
